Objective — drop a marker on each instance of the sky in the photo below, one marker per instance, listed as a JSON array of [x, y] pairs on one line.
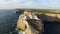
[[35, 4]]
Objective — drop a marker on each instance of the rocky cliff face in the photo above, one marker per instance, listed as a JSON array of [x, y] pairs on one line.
[[51, 14], [33, 26], [54, 15], [29, 26], [51, 23]]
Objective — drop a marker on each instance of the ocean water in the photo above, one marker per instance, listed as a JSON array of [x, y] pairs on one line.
[[8, 20]]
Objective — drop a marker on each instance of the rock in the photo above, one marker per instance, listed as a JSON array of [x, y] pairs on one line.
[[30, 26]]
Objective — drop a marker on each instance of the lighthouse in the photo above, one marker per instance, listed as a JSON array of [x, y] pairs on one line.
[[30, 15]]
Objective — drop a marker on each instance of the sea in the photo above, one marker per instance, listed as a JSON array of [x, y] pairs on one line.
[[8, 21]]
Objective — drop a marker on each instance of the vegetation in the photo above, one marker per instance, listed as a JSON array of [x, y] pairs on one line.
[[44, 11]]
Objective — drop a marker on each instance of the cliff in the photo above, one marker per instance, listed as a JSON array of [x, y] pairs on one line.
[[53, 15], [49, 17], [29, 26], [34, 26], [51, 23]]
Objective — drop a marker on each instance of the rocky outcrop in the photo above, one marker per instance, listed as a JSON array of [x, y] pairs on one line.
[[54, 15], [20, 23], [51, 14], [51, 24], [34, 26], [49, 17], [29, 26]]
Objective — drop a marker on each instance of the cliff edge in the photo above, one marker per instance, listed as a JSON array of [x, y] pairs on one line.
[[29, 26]]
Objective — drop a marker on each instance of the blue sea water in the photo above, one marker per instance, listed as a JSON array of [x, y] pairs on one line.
[[8, 20]]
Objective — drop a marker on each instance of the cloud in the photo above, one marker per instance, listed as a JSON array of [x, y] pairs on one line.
[[15, 3], [6, 4]]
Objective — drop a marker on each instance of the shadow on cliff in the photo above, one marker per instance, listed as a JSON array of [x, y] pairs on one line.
[[51, 24]]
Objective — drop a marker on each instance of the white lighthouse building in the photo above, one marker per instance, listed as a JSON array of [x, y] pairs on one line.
[[30, 15]]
